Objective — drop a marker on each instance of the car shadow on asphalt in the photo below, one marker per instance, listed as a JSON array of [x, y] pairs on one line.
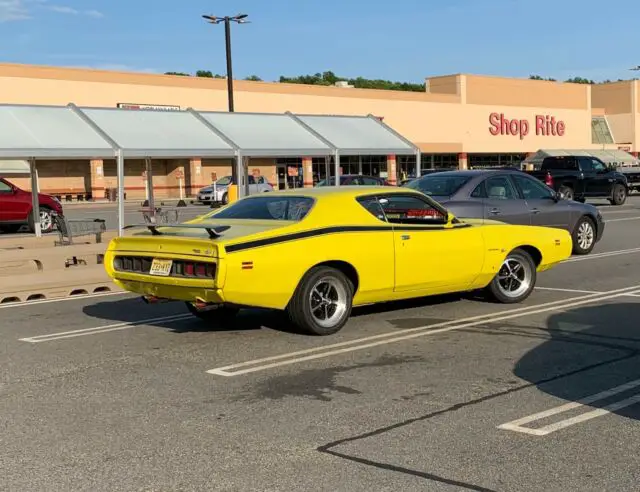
[[578, 354], [588, 350], [134, 310]]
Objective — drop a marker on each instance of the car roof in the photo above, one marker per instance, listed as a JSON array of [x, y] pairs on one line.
[[473, 172], [344, 190]]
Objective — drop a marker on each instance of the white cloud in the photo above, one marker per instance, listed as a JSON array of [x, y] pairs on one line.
[[116, 67], [14, 10], [94, 13], [64, 9], [18, 10]]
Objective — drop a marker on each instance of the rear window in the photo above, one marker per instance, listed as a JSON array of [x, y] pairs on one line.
[[559, 163], [438, 185], [292, 208]]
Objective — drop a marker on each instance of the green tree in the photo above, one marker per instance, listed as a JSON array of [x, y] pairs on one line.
[[181, 74], [254, 78], [330, 78]]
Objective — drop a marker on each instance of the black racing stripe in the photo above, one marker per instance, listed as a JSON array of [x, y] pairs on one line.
[[234, 248]]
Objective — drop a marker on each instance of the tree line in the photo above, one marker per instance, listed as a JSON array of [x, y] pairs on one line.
[[329, 78]]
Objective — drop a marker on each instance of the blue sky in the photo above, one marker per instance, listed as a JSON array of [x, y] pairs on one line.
[[400, 40]]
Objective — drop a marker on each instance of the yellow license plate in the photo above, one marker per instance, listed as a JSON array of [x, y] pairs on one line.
[[161, 268]]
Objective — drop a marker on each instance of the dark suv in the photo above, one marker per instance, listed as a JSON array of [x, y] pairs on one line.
[[16, 207]]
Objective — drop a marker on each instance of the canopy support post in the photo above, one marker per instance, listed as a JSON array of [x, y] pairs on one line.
[[35, 203], [152, 202], [418, 164], [245, 171], [337, 167], [239, 168], [120, 174]]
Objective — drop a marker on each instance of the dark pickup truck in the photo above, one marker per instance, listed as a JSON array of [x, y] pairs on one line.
[[581, 177]]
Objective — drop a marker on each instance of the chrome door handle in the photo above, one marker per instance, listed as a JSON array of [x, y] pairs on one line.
[[406, 237], [535, 211], [494, 211]]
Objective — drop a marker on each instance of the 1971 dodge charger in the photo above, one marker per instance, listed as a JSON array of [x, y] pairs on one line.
[[318, 252]]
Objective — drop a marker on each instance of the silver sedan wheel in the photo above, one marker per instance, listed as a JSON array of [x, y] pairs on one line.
[[514, 277], [585, 235], [328, 302]]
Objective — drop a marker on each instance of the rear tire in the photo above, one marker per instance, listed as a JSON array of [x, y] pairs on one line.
[[567, 192], [515, 279], [321, 304], [584, 236], [618, 195], [219, 315]]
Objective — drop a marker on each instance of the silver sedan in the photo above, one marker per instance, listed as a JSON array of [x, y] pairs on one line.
[[513, 197]]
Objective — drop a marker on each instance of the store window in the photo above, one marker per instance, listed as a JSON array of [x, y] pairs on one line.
[[485, 161], [600, 131]]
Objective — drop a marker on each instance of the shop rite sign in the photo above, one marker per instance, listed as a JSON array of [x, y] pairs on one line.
[[545, 126]]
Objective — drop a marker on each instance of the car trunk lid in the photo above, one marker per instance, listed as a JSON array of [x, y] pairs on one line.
[[196, 238]]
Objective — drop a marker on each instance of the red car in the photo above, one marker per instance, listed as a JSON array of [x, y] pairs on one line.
[[15, 208]]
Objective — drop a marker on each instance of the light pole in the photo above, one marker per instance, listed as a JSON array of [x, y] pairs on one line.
[[240, 19]]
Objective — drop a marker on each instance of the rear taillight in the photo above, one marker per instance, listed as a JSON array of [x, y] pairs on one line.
[[548, 180]]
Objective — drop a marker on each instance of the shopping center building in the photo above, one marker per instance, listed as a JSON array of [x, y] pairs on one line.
[[465, 121]]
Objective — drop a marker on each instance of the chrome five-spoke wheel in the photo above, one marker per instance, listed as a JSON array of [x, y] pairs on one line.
[[321, 304], [328, 301], [515, 279]]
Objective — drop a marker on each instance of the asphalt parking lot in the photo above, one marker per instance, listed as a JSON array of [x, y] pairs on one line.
[[453, 393]]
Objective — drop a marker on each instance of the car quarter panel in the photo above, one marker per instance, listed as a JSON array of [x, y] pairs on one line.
[[266, 273]]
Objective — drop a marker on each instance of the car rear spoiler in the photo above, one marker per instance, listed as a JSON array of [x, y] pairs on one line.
[[213, 230]]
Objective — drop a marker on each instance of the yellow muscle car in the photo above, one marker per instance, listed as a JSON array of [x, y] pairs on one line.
[[317, 252]]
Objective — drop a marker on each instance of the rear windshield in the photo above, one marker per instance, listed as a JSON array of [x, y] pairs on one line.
[[292, 208], [438, 185]]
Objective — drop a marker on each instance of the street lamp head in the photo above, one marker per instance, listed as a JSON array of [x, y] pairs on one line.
[[635, 69], [241, 16], [212, 19]]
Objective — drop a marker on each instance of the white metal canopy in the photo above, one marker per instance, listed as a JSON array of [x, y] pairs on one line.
[[33, 133]]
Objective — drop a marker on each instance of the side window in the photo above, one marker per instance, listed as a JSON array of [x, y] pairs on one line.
[[252, 180], [260, 180], [356, 181], [372, 205], [402, 209], [598, 166], [4, 187], [499, 188], [531, 188], [479, 192], [586, 164], [370, 182]]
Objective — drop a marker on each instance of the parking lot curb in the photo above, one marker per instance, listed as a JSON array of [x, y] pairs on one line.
[[55, 285]]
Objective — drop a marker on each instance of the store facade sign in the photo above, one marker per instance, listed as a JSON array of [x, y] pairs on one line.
[[155, 107], [544, 125]]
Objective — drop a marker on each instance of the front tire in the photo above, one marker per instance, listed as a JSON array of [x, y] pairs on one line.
[[584, 236], [219, 315], [618, 195], [46, 220], [321, 305], [515, 279]]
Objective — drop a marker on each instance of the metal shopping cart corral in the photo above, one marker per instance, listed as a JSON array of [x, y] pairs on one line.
[[71, 229]]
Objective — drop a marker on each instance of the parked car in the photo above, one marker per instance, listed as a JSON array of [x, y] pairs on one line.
[[581, 177], [354, 180], [218, 191], [632, 173], [16, 207], [513, 197], [310, 248]]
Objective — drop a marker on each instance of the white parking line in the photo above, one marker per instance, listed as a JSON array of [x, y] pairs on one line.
[[604, 254], [407, 334], [104, 329], [622, 220], [517, 425], [61, 299], [571, 291]]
